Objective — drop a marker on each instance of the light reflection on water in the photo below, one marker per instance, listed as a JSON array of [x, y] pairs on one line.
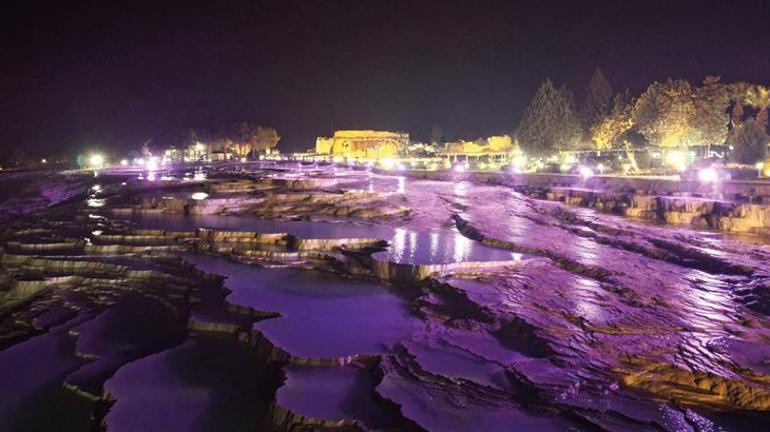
[[586, 306], [401, 185], [95, 202], [462, 248], [587, 250], [408, 246], [460, 188]]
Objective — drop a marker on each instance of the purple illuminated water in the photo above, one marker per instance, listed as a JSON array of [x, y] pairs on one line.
[[302, 229], [437, 246], [312, 307], [542, 346], [31, 372], [207, 383], [334, 393]]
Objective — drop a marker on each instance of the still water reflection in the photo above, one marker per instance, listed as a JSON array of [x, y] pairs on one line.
[[445, 245]]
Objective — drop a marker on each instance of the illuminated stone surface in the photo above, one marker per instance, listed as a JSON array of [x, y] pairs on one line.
[[597, 322]]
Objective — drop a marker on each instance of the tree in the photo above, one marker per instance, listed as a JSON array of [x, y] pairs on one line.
[[266, 138], [609, 132], [616, 130], [759, 97], [549, 123], [597, 102], [749, 142], [623, 98], [146, 152], [245, 138], [675, 114], [663, 112], [241, 139], [738, 92], [710, 120], [436, 135]]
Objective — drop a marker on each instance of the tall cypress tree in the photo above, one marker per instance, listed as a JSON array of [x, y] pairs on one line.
[[597, 102], [549, 124]]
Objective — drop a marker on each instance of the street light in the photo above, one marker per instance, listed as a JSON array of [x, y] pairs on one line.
[[586, 172], [96, 160], [677, 159], [708, 175]]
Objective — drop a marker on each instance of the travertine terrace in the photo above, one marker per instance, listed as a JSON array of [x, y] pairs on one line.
[[329, 298]]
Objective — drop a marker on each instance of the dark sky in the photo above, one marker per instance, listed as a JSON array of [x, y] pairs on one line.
[[111, 74]]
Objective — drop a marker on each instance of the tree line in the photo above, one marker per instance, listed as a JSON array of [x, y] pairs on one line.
[[673, 113], [244, 139]]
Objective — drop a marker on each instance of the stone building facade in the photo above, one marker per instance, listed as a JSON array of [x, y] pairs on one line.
[[363, 144]]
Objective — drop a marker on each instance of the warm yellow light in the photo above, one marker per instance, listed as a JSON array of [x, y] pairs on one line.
[[518, 163], [96, 160], [387, 163], [677, 159]]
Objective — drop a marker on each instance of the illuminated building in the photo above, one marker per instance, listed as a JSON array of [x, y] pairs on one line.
[[323, 146], [493, 144], [363, 144]]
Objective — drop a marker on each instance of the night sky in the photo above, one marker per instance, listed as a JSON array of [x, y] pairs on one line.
[[108, 74]]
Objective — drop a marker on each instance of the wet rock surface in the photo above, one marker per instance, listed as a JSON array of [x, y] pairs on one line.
[[319, 299], [695, 211]]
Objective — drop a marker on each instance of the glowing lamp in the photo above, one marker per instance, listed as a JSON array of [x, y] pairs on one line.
[[124, 162], [708, 175], [586, 172], [199, 196], [152, 163], [387, 164], [518, 163], [677, 159], [96, 160]]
